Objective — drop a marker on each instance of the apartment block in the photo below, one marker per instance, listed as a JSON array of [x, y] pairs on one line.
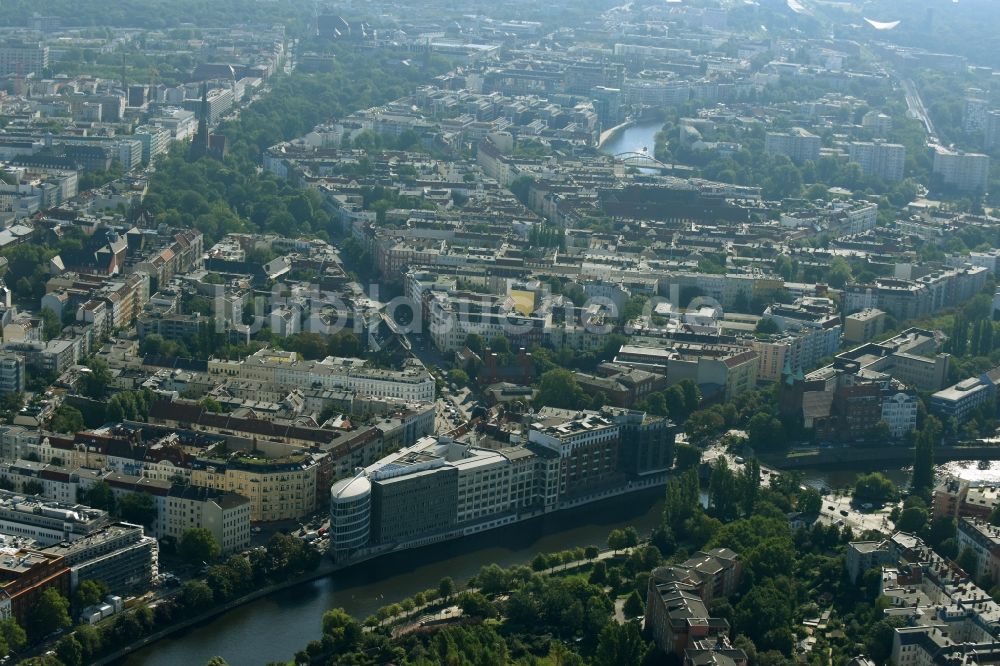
[[963, 171], [864, 325], [798, 144], [21, 58], [226, 515], [882, 160]]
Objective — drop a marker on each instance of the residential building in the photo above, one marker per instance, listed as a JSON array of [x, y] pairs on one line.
[[226, 515], [798, 144], [12, 369], [278, 488], [155, 141], [983, 539], [963, 171], [992, 132], [865, 555], [844, 402], [863, 325], [677, 600], [955, 498], [21, 58], [881, 160]]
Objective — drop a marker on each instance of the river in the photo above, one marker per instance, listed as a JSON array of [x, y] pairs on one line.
[[274, 628], [634, 139]]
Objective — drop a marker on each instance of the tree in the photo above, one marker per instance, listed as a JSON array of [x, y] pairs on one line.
[[748, 485], [540, 562], [681, 500], [722, 491], [923, 455], [766, 608], [616, 540], [100, 496], [633, 605], [94, 384], [769, 559], [968, 561], [137, 508], [88, 593], [70, 651], [912, 519], [216, 661], [458, 377], [196, 595], [839, 273], [558, 388], [767, 326], [66, 419], [51, 324], [12, 636], [198, 545], [475, 342], [475, 604], [220, 579], [619, 644], [32, 487], [765, 433], [210, 404], [873, 488], [492, 579], [809, 501], [686, 456], [90, 639], [446, 587], [500, 345], [344, 629], [48, 614]]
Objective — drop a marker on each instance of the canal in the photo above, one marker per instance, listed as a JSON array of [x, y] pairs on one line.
[[274, 628]]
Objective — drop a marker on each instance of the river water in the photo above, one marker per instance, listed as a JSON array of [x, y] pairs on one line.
[[633, 139], [274, 628]]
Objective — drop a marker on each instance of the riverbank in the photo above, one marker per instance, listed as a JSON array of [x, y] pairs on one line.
[[325, 568], [609, 134], [274, 622]]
